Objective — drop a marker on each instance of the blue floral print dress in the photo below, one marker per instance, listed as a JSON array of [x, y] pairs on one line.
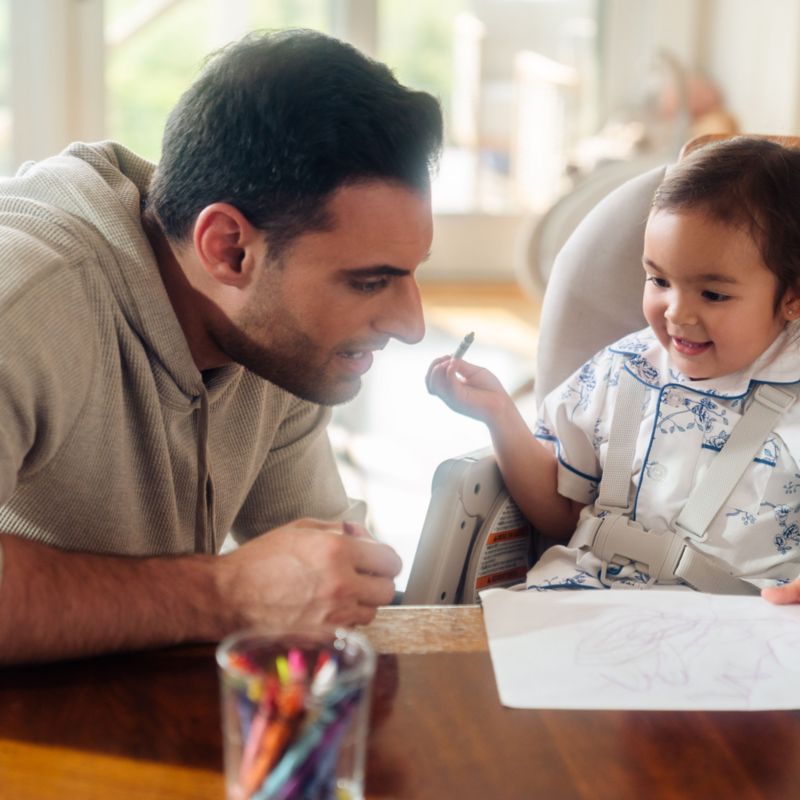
[[685, 425]]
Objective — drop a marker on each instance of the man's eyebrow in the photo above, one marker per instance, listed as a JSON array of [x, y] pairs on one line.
[[377, 270], [706, 277]]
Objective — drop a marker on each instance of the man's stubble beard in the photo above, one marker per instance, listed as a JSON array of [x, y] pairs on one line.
[[278, 351]]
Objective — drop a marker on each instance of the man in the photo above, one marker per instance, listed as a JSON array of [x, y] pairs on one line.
[[169, 342]]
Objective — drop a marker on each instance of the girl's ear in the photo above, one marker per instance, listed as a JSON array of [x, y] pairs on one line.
[[790, 305]]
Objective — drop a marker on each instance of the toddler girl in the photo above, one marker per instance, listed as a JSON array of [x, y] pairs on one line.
[[628, 463]]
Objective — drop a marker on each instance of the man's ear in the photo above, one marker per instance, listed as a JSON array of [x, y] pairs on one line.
[[227, 244]]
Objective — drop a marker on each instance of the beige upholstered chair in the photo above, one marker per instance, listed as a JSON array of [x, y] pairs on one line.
[[594, 291]]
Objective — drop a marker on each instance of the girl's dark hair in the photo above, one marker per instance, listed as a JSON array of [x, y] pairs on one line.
[[277, 122], [745, 182]]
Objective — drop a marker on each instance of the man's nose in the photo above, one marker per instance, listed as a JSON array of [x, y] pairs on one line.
[[402, 318]]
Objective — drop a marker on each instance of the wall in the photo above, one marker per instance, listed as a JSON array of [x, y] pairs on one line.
[[632, 33], [753, 51]]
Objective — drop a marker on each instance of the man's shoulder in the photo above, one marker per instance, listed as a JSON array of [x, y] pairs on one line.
[[63, 213], [89, 192], [36, 246]]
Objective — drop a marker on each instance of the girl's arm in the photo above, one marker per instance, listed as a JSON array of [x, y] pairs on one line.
[[529, 468], [530, 471]]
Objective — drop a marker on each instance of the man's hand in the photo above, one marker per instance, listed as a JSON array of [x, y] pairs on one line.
[[309, 572], [67, 605], [783, 595]]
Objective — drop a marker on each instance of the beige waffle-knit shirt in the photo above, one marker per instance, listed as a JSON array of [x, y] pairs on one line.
[[110, 438]]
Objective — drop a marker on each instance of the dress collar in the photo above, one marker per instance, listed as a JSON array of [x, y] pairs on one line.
[[648, 361]]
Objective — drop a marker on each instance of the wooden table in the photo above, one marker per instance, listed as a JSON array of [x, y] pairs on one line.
[[146, 725]]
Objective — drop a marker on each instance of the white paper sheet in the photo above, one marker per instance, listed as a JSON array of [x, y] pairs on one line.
[[642, 650]]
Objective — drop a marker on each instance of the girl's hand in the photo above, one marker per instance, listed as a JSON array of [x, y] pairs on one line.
[[466, 388], [782, 595]]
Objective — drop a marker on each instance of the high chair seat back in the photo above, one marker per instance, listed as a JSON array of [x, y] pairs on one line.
[[594, 292]]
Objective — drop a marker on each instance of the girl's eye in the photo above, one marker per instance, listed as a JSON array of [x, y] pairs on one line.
[[715, 297], [662, 283]]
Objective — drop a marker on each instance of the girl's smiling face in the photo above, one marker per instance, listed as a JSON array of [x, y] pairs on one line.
[[709, 297]]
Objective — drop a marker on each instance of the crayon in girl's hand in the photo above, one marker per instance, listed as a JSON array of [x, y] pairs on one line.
[[466, 343]]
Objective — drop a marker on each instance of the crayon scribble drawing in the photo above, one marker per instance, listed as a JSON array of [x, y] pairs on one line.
[[688, 655], [643, 650]]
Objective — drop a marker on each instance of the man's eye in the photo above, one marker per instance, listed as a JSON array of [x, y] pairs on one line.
[[370, 286], [662, 283], [716, 297]]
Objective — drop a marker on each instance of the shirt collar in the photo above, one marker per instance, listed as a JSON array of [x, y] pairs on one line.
[[648, 361]]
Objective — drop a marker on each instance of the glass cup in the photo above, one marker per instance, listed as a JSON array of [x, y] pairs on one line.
[[295, 713]]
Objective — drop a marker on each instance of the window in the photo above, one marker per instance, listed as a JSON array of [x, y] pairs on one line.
[[154, 49], [507, 74], [5, 88], [516, 81], [516, 78]]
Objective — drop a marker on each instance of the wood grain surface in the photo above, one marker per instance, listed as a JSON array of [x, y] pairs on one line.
[[146, 725]]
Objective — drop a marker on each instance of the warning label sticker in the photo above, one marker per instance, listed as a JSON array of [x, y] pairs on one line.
[[508, 576], [504, 557]]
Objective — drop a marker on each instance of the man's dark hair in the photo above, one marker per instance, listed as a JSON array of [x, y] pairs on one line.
[[277, 122], [749, 183]]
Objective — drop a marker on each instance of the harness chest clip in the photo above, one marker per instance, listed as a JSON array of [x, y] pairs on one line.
[[618, 540]]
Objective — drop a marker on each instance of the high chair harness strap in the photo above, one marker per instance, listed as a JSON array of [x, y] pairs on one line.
[[615, 485], [743, 445], [668, 554]]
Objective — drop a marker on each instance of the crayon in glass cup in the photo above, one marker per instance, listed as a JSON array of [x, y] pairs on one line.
[[295, 713]]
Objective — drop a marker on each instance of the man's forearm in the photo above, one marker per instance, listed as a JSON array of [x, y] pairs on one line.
[[55, 604]]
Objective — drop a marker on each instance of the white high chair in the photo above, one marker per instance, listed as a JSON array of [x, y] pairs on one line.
[[473, 536]]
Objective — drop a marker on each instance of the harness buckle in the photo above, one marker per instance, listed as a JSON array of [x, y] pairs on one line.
[[617, 540]]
